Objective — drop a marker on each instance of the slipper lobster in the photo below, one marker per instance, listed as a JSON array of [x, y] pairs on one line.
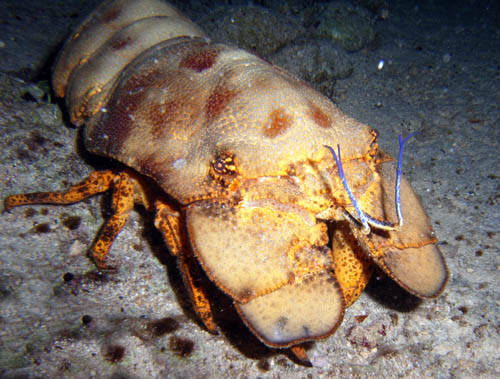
[[233, 155]]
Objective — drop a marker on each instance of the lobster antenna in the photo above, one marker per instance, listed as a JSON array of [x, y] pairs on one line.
[[361, 214], [364, 218], [398, 177]]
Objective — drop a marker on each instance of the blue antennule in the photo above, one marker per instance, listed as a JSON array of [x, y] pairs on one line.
[[361, 214], [398, 176], [364, 218]]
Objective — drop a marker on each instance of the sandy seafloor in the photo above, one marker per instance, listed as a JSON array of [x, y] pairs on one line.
[[441, 77]]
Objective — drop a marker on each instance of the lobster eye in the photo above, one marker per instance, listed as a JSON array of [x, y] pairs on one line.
[[219, 166], [224, 164]]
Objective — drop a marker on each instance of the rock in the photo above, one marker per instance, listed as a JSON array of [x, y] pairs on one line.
[[252, 28], [346, 24], [317, 62]]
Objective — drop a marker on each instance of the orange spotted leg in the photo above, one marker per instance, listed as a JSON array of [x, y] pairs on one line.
[[301, 354], [123, 202], [169, 222], [97, 182]]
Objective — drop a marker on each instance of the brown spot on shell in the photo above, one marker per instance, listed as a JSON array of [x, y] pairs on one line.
[[201, 60], [118, 43], [111, 14], [320, 117], [217, 101], [146, 79], [277, 123], [117, 122]]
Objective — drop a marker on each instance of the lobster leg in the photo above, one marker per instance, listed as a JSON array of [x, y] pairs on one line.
[[169, 222], [123, 202], [301, 354], [99, 181]]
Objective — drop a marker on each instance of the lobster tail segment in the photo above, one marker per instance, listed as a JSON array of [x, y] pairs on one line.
[[107, 41]]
